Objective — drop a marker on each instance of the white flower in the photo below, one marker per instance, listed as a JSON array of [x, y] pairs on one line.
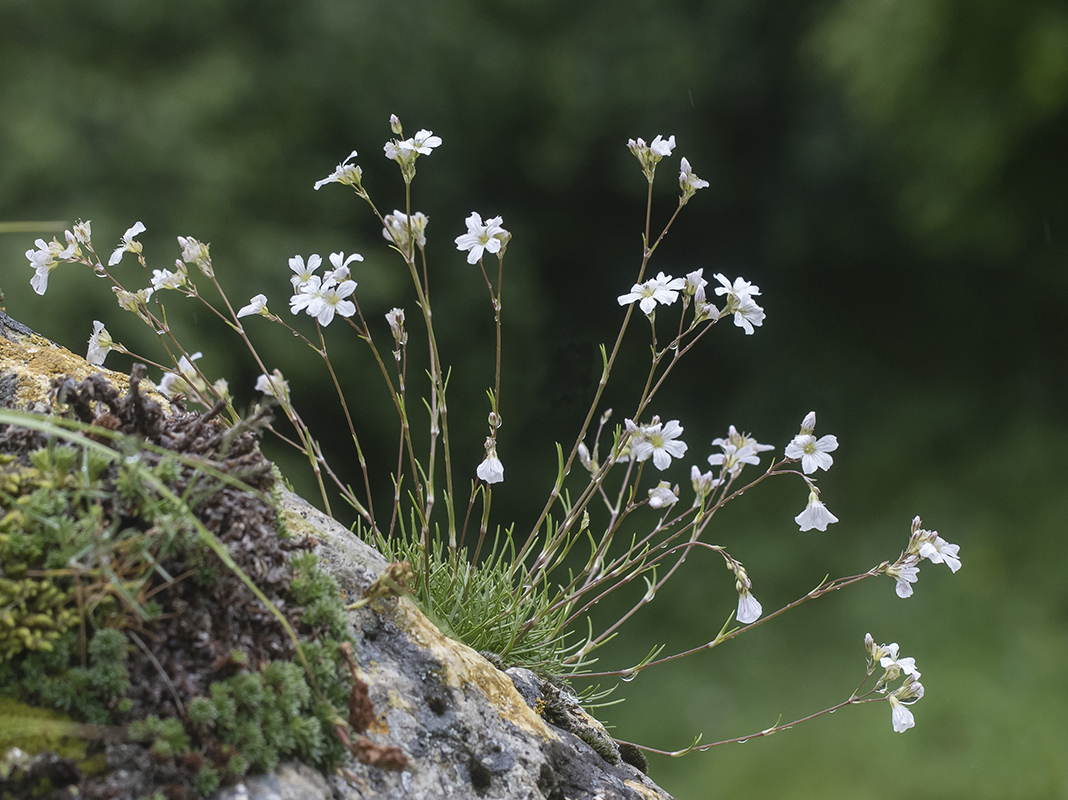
[[330, 300], [491, 470], [739, 449], [895, 666], [83, 231], [649, 155], [662, 496], [395, 318], [341, 270], [257, 305], [813, 452], [660, 442], [345, 174], [307, 293], [906, 573], [939, 551], [688, 182], [186, 376], [399, 229], [749, 609], [695, 283], [165, 279], [662, 289], [47, 257], [748, 315], [127, 245], [815, 515], [661, 146], [737, 290], [100, 344], [275, 386], [703, 483], [423, 142], [488, 237], [194, 252], [905, 695], [303, 272]]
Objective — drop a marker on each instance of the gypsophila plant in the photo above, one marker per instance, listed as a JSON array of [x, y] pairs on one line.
[[621, 518]]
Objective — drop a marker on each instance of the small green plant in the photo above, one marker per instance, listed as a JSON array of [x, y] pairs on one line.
[[130, 544], [611, 518]]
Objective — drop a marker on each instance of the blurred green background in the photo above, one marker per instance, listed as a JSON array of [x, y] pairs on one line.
[[892, 173]]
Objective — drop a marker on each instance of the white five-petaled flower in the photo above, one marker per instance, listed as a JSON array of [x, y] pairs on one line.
[[703, 483], [662, 289], [47, 257], [345, 173], [423, 142], [895, 666], [302, 273], [275, 386], [662, 496], [127, 245], [814, 453], [331, 300], [257, 305], [815, 516], [186, 376], [739, 449], [906, 572], [400, 229], [661, 441], [749, 608], [905, 695], [165, 279], [491, 470], [939, 551], [695, 284], [306, 294], [100, 344], [481, 237], [341, 270], [688, 182], [740, 294]]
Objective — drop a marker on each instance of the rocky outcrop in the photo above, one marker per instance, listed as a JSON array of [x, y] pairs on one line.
[[463, 726]]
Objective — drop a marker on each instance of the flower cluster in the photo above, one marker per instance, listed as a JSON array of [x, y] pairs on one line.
[[320, 297], [910, 690], [923, 544]]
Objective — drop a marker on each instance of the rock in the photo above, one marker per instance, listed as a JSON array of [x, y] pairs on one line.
[[465, 729]]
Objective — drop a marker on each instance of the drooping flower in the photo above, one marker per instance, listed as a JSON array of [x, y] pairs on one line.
[[257, 305], [749, 608], [127, 245], [395, 318], [815, 516], [905, 695], [662, 496], [344, 173], [662, 289], [165, 279], [194, 252], [185, 377], [399, 228], [703, 483], [491, 470], [661, 441], [688, 182], [939, 551], [906, 572], [274, 385], [47, 257], [100, 344], [481, 237]]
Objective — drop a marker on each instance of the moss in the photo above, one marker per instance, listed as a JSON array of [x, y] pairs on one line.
[[114, 611]]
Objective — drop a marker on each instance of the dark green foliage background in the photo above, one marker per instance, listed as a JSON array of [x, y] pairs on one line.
[[893, 176]]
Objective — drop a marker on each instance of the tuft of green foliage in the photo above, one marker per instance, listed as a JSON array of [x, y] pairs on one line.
[[481, 606]]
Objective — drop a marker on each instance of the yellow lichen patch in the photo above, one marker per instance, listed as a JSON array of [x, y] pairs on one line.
[[463, 666], [643, 791], [35, 361]]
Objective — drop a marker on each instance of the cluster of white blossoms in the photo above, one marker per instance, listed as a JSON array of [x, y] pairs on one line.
[[923, 544], [319, 297], [910, 690], [665, 290]]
